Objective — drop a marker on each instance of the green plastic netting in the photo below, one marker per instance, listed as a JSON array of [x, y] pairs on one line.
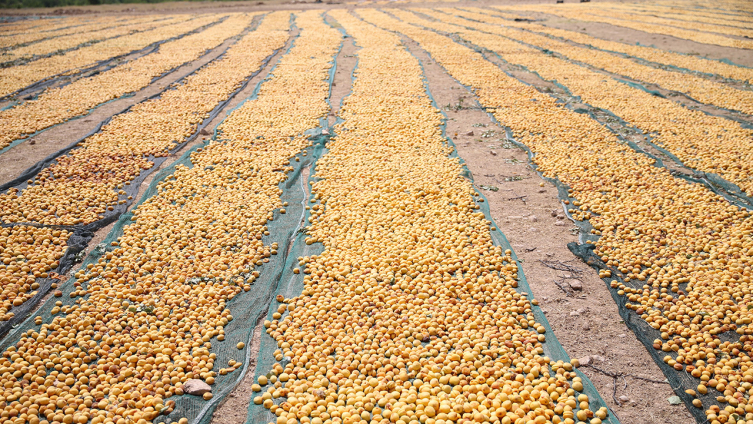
[[291, 285], [277, 277], [83, 233], [678, 381], [247, 308]]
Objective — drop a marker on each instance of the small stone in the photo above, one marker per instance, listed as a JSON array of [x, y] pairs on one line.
[[493, 153], [204, 131], [33, 142], [469, 133], [621, 335], [560, 223], [543, 190], [674, 400], [586, 327], [554, 213], [534, 219], [599, 358], [196, 387], [575, 285], [623, 398], [585, 361], [325, 132], [574, 313]]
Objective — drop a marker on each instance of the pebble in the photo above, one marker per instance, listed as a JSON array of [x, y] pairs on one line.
[[623, 398], [196, 387], [560, 223], [554, 213], [534, 219], [575, 285], [469, 133], [493, 153], [585, 361]]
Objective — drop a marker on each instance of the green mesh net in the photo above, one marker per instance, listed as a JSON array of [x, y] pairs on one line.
[[291, 285]]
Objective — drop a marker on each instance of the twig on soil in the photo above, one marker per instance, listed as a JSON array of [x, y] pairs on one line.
[[561, 285], [575, 274], [561, 266], [517, 198], [616, 375], [622, 374], [614, 389], [531, 250]]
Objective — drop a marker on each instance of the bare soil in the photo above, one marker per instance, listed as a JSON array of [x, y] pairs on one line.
[[19, 158], [631, 36], [532, 219]]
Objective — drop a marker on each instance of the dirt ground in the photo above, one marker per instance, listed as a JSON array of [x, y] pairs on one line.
[[19, 158], [577, 304], [587, 324], [631, 36]]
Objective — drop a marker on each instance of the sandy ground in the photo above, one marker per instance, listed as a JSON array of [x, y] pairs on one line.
[[585, 319]]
